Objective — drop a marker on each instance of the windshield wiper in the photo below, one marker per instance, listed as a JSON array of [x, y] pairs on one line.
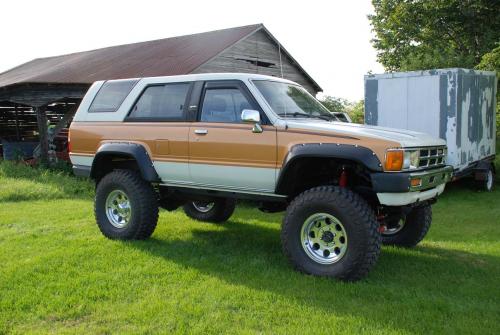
[[322, 117]]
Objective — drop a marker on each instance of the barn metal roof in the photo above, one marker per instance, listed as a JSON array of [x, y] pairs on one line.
[[164, 57]]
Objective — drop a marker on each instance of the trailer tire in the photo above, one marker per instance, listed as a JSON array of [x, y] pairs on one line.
[[488, 183], [411, 230]]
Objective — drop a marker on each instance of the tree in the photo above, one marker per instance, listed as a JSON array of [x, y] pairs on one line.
[[491, 62], [356, 110], [423, 34], [335, 105]]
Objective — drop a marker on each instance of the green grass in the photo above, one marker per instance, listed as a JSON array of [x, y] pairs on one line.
[[58, 274], [19, 182]]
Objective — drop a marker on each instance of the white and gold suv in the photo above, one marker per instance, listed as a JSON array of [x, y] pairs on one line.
[[203, 141]]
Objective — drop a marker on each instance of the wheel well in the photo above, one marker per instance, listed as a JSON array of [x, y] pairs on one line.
[[103, 164], [308, 172]]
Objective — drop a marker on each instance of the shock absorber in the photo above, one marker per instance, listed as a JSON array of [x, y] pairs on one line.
[[343, 177], [381, 218]]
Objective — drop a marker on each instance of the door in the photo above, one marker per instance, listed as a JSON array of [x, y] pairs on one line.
[[224, 152], [159, 120]]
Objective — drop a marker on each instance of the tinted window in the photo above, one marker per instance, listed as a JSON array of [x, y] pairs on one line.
[[164, 102], [111, 95], [223, 105]]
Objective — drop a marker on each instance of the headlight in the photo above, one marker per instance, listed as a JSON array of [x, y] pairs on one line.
[[411, 159]]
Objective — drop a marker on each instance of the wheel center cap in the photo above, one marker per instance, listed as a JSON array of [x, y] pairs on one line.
[[327, 236]]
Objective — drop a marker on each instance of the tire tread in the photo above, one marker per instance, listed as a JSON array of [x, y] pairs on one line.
[[355, 206], [146, 202]]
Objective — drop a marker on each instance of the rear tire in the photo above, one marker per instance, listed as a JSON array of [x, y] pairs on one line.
[[126, 206], [331, 231], [408, 232], [216, 211]]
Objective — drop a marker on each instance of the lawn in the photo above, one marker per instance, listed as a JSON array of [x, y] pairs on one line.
[[58, 274]]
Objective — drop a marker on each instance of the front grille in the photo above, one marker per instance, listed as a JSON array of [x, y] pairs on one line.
[[432, 156]]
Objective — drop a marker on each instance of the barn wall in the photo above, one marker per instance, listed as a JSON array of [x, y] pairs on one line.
[[256, 53]]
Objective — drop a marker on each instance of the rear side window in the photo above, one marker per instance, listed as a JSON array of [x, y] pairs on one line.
[[111, 95], [162, 102]]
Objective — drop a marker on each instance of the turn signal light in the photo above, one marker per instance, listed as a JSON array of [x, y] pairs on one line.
[[416, 182], [394, 160]]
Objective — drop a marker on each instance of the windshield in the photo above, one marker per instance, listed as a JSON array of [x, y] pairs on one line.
[[288, 100]]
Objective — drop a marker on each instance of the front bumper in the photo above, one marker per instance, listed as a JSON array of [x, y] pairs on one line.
[[404, 188]]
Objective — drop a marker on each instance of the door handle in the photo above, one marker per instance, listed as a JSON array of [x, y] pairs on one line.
[[201, 131]]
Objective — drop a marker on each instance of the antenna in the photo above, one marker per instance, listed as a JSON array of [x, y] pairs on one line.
[[281, 64], [281, 70]]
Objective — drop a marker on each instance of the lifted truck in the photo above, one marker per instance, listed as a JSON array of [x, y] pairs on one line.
[[202, 141]]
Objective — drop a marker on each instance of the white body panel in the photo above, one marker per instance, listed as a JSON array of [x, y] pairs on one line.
[[234, 177], [261, 180], [172, 172], [81, 160]]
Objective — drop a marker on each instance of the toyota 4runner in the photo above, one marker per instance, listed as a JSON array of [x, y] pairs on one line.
[[202, 141]]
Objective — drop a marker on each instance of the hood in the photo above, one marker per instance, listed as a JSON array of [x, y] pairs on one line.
[[406, 138]]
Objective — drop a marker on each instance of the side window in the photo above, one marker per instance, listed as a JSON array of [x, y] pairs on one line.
[[223, 105], [161, 102], [111, 95]]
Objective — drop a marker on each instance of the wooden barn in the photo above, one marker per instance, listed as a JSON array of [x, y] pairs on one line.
[[39, 98]]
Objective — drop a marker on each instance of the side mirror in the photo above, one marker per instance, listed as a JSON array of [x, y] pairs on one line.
[[252, 116]]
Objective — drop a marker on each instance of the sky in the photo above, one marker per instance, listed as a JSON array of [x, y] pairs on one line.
[[329, 38]]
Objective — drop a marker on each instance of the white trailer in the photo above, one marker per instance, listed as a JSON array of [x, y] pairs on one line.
[[457, 105]]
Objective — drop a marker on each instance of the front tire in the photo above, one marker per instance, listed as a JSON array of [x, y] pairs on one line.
[[126, 206], [218, 210], [409, 231], [331, 231]]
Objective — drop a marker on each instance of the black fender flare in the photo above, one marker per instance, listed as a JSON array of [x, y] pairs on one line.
[[126, 149], [356, 153]]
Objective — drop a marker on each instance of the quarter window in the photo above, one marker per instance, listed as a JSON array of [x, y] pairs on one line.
[[223, 105], [111, 95], [161, 102]]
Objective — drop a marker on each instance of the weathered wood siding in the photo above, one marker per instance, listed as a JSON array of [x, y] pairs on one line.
[[256, 53]]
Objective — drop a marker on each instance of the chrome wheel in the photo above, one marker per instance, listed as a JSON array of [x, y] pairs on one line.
[[489, 181], [203, 206], [324, 238], [394, 229], [118, 209]]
